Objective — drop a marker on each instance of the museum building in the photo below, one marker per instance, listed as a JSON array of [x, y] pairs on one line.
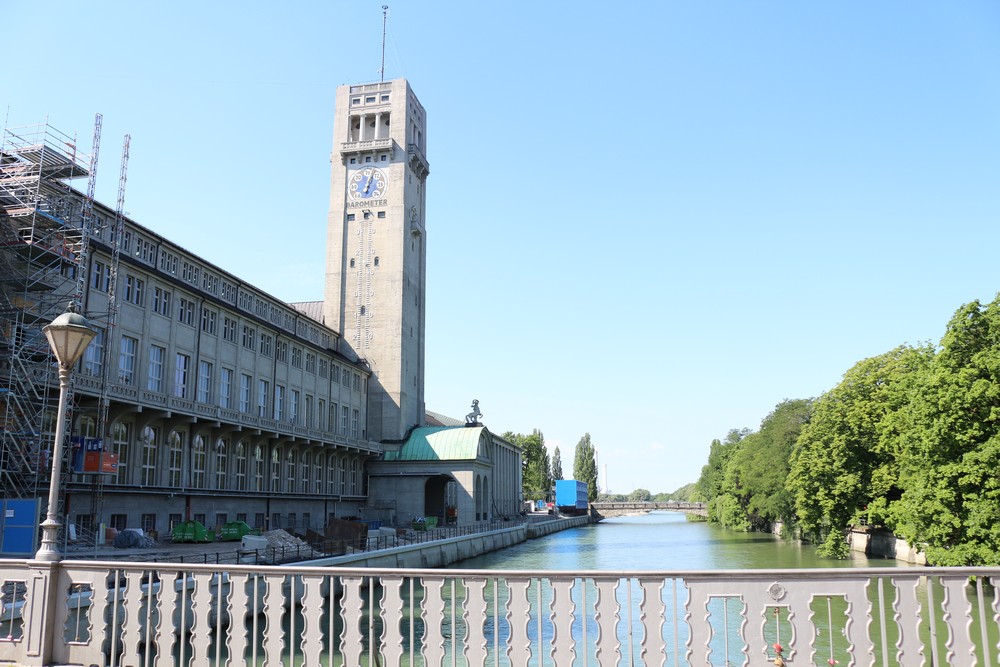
[[204, 398]]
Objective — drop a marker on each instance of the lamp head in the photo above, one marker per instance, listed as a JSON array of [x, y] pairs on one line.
[[68, 336]]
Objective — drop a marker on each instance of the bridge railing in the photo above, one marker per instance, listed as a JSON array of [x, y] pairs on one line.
[[114, 613]]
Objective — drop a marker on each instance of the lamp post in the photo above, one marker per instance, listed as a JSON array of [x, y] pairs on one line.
[[68, 335]]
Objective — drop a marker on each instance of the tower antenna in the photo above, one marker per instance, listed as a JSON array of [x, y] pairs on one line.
[[385, 15]]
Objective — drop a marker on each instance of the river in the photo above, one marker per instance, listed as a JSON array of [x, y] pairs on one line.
[[661, 541]]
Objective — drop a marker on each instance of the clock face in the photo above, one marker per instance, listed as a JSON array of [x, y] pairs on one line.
[[367, 183]]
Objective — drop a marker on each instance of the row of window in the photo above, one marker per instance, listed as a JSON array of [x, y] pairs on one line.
[[224, 466], [211, 389], [135, 293], [147, 521], [163, 304]]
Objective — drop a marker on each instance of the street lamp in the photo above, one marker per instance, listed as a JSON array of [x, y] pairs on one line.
[[68, 335]]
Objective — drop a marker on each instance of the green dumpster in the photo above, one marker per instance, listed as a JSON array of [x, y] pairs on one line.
[[432, 521], [234, 530]]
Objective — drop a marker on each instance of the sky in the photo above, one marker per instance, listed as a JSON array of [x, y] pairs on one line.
[[649, 221]]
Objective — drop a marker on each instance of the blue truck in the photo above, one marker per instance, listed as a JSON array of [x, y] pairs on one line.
[[571, 496]]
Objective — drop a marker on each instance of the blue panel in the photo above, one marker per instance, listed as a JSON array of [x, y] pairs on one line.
[[18, 527]]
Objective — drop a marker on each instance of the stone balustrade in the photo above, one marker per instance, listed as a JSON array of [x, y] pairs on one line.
[[118, 613]]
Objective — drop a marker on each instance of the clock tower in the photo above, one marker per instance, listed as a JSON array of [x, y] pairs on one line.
[[376, 247]]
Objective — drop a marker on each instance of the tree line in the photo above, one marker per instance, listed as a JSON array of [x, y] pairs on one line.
[[539, 472], [908, 441]]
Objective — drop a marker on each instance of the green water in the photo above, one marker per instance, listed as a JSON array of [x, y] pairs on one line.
[[660, 541]]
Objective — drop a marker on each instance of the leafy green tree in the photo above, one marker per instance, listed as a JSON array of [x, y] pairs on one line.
[[557, 472], [845, 464], [536, 479], [951, 450], [757, 470], [585, 466], [710, 485], [640, 496]]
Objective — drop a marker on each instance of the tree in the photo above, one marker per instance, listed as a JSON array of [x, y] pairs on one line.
[[757, 470], [951, 446], [710, 485], [536, 480], [585, 466], [557, 472], [640, 496], [845, 464]]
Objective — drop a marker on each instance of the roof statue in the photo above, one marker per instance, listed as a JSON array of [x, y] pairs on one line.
[[472, 419]]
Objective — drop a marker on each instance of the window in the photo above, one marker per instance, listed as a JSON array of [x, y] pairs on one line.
[[221, 459], [380, 214], [225, 388], [209, 283], [221, 518], [148, 523], [173, 520], [148, 476], [241, 467], [354, 423], [249, 336], [335, 373], [345, 376], [310, 362], [296, 357], [357, 382], [134, 290], [121, 436], [204, 382], [198, 460], [343, 420], [182, 365], [228, 292], [266, 344], [190, 273], [305, 466], [168, 262], [119, 522], [145, 250], [126, 360], [290, 472], [279, 402], [185, 314], [282, 351], [324, 368], [320, 413], [161, 301], [350, 218], [331, 474], [309, 412], [100, 280], [229, 329], [352, 262], [263, 390], [175, 458], [157, 355], [293, 411], [245, 384], [332, 422], [93, 356], [208, 317], [318, 472], [258, 468]]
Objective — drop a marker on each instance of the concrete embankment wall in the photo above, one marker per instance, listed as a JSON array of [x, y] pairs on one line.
[[438, 553], [883, 544]]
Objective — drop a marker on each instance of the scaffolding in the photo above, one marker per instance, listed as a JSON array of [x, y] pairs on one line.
[[44, 230]]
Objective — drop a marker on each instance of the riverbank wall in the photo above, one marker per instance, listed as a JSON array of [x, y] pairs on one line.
[[439, 553], [883, 544]]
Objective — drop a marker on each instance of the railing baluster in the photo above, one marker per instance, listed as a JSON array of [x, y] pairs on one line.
[[958, 620], [432, 611], [561, 616], [392, 619], [652, 618], [518, 617], [474, 618], [312, 612]]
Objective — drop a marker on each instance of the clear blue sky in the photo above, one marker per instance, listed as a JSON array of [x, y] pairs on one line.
[[649, 221]]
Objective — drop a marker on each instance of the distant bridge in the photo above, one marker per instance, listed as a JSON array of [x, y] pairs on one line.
[[609, 509]]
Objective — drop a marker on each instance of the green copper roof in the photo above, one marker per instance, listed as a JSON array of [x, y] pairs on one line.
[[439, 443]]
